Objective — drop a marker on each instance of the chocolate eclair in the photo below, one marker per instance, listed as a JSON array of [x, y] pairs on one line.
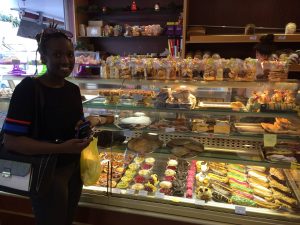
[[219, 197], [277, 174], [221, 188]]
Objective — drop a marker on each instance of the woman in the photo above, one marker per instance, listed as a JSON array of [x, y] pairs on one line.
[[63, 112]]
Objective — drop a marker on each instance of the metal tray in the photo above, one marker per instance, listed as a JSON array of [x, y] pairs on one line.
[[218, 105], [249, 128]]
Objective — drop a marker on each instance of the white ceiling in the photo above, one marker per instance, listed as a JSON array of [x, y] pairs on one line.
[[50, 8]]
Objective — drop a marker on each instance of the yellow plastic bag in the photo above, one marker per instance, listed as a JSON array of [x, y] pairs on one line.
[[90, 167]]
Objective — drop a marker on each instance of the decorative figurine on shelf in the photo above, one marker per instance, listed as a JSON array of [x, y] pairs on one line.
[[290, 28], [156, 7], [133, 6], [250, 29]]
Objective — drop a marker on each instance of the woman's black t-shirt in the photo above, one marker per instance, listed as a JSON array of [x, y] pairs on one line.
[[62, 110]]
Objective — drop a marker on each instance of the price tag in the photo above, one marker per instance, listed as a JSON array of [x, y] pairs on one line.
[[199, 202], [143, 193], [253, 37], [241, 210], [169, 129], [130, 191], [295, 166], [159, 195], [270, 140], [281, 37], [116, 190], [128, 133]]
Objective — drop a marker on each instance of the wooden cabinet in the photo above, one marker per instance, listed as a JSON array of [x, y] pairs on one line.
[[118, 13], [225, 21]]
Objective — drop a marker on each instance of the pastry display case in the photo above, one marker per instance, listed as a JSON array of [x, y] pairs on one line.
[[222, 150]]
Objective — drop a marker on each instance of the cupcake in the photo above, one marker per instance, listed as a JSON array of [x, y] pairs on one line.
[[165, 184], [166, 191], [126, 179], [139, 179], [122, 185], [150, 187], [170, 172], [172, 164], [153, 179], [144, 172], [130, 173], [139, 159], [169, 178], [150, 161], [133, 166], [146, 166]]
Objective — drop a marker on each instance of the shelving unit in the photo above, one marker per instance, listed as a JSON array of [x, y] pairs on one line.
[[145, 15], [96, 105], [191, 83], [231, 136], [241, 38], [225, 33]]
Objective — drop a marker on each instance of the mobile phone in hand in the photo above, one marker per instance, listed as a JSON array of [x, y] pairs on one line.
[[84, 130]]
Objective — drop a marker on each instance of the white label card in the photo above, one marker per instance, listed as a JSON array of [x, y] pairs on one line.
[[117, 190], [253, 37], [130, 191], [270, 140], [199, 202], [241, 210], [159, 195], [143, 193], [169, 129]]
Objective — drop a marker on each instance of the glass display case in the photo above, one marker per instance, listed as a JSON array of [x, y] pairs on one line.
[[221, 151], [205, 149]]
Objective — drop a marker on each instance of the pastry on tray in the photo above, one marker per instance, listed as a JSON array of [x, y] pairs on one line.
[[184, 147], [133, 122], [145, 143], [285, 152], [281, 126]]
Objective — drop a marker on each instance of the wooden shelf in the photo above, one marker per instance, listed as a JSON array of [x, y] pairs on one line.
[[241, 38], [139, 13], [129, 37]]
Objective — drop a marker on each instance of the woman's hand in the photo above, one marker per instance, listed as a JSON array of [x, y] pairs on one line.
[[75, 145]]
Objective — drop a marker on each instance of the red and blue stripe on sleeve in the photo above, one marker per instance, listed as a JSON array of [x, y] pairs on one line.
[[17, 127]]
